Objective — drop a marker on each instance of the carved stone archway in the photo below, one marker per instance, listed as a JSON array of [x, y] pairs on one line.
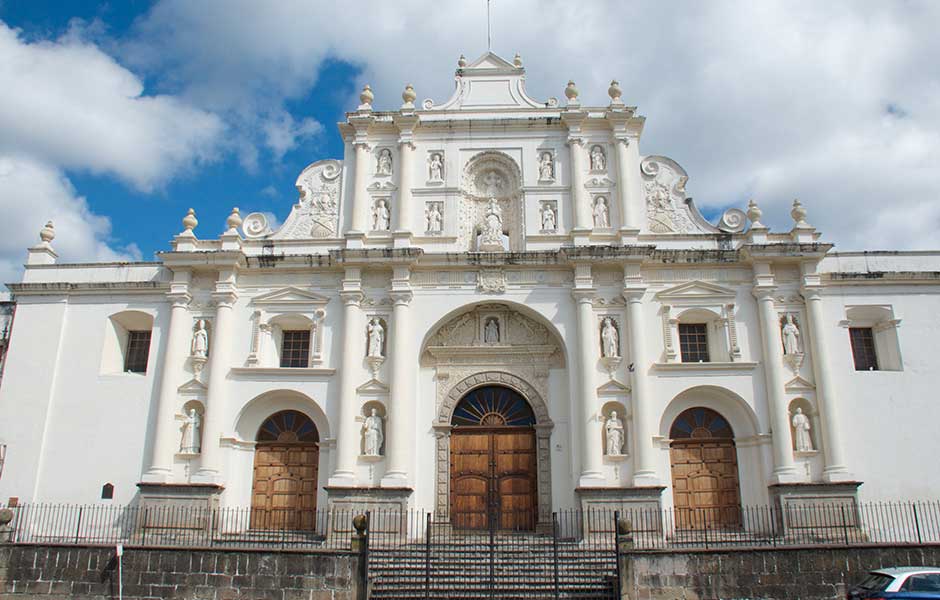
[[543, 432]]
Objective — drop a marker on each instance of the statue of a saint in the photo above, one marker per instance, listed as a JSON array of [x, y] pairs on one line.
[[610, 339], [384, 166], [380, 216], [548, 218], [376, 334], [546, 168], [491, 331], [436, 168], [372, 436], [200, 345], [791, 336], [190, 443], [492, 224], [492, 183], [801, 431], [598, 160], [601, 213], [614, 429], [434, 218]]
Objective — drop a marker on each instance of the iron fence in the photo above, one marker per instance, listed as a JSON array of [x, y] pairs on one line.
[[839, 523]]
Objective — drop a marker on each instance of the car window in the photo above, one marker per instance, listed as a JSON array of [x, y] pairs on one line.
[[927, 582], [876, 582]]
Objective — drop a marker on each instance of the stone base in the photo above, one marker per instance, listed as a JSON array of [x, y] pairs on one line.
[[642, 506], [387, 508], [816, 510], [174, 511]]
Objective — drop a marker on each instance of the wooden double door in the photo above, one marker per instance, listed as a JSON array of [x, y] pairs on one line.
[[493, 478], [284, 493], [705, 484]]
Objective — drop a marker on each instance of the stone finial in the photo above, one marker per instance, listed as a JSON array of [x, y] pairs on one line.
[[517, 61], [234, 220], [190, 221], [571, 93], [462, 61], [366, 97], [409, 96], [615, 92], [799, 214], [754, 214], [47, 233]]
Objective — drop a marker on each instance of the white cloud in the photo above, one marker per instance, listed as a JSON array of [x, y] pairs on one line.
[[836, 103], [32, 193]]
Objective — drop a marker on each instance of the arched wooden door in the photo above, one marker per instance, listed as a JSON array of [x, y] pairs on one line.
[[704, 471], [493, 463], [284, 490]]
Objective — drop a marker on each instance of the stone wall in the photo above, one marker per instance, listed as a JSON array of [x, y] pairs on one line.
[[82, 573], [821, 573]]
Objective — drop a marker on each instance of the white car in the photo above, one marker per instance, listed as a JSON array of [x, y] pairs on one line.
[[898, 582]]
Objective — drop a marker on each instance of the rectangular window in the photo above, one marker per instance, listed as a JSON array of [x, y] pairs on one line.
[[138, 349], [863, 348], [295, 349], [693, 342]]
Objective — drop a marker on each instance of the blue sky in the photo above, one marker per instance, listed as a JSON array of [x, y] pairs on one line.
[[119, 116]]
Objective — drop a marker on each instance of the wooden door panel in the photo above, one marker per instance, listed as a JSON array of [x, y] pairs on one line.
[[705, 483], [284, 492]]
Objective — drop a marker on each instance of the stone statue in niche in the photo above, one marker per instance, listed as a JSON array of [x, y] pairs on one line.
[[434, 218], [801, 426], [492, 234], [791, 336], [546, 167], [598, 159], [601, 213], [610, 339], [436, 168], [384, 163], [190, 443], [200, 344], [372, 435], [491, 331], [614, 429], [492, 184], [549, 219], [381, 217], [376, 338]]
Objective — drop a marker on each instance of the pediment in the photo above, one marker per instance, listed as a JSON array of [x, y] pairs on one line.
[[490, 82], [193, 386], [490, 60], [291, 296], [696, 290], [373, 386], [613, 387], [798, 384]]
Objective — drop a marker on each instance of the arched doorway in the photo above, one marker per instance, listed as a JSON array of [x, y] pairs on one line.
[[284, 488], [493, 462], [704, 462]]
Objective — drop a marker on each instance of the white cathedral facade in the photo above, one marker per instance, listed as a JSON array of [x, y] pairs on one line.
[[491, 304]]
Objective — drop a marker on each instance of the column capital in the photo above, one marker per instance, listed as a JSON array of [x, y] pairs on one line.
[[584, 294], [401, 297], [225, 298], [622, 139], [575, 140], [764, 292], [633, 294], [351, 297], [811, 293], [179, 298]]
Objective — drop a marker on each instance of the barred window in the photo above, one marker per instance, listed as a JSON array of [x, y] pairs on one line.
[[863, 348], [295, 349], [693, 342], [138, 349]]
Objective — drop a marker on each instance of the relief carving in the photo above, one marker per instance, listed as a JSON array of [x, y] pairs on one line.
[[666, 209], [316, 214]]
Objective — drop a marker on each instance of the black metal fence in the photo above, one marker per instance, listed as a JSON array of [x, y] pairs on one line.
[[841, 523]]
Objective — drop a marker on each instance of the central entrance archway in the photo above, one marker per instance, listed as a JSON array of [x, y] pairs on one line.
[[704, 471], [284, 488], [493, 461]]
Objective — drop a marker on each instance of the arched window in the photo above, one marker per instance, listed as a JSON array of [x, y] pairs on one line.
[[107, 492], [288, 427], [493, 406], [700, 423]]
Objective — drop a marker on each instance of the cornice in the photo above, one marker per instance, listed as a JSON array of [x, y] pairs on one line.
[[103, 287]]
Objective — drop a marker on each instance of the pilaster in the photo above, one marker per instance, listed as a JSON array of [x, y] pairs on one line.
[[347, 437], [363, 162], [644, 470], [583, 224], [400, 433], [589, 431], [406, 123]]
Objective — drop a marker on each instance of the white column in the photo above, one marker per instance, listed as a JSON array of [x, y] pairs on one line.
[[835, 468], [630, 186], [784, 471], [644, 471], [360, 199], [582, 210], [406, 151], [347, 429], [220, 351], [589, 429], [179, 333], [400, 436]]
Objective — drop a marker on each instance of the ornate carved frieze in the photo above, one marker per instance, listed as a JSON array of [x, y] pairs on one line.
[[492, 281], [316, 214], [486, 177], [666, 211]]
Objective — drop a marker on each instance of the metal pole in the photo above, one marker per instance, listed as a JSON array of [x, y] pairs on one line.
[[617, 552], [705, 525], [555, 551], [78, 526], [492, 556], [916, 523], [845, 526], [427, 555]]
